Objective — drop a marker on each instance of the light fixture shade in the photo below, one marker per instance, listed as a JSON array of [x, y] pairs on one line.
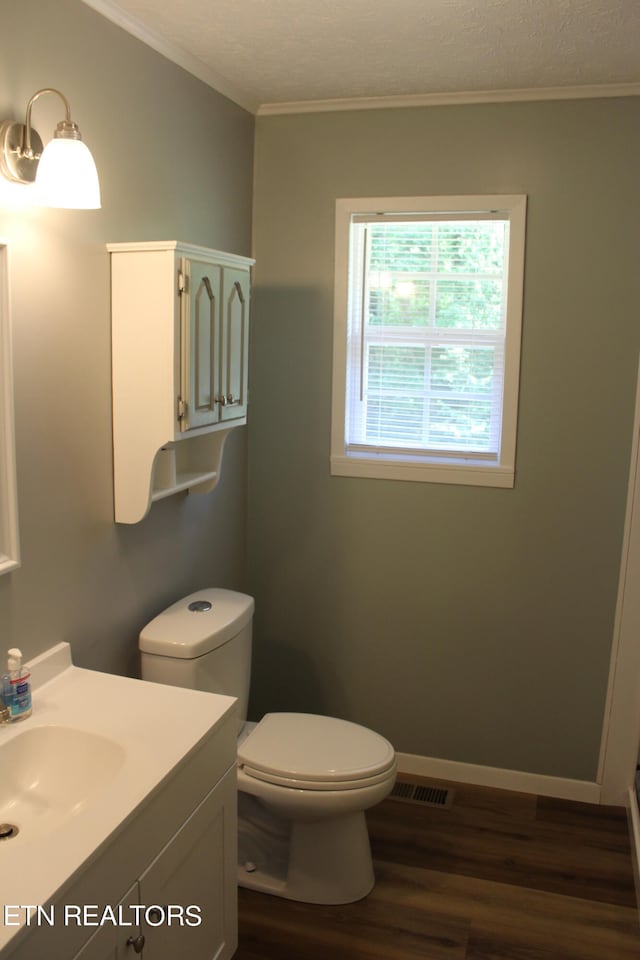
[[67, 176]]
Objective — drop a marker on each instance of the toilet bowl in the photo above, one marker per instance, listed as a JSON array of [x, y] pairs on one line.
[[304, 780], [317, 775]]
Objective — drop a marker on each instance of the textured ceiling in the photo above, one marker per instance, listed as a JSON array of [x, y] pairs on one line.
[[276, 51]]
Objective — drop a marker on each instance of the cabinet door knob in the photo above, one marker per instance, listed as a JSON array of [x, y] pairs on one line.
[[137, 943], [227, 400]]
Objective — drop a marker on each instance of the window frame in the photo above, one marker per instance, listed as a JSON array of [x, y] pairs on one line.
[[423, 466]]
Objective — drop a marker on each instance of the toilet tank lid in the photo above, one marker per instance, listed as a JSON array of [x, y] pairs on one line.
[[197, 624]]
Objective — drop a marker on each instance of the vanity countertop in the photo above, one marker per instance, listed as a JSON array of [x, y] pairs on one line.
[[150, 729]]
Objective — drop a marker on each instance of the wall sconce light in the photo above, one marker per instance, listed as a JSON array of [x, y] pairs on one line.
[[64, 172]]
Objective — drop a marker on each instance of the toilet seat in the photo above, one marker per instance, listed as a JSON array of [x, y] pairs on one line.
[[310, 752]]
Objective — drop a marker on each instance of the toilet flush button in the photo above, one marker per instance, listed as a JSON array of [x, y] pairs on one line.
[[200, 606]]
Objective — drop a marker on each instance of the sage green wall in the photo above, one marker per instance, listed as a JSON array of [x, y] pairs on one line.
[[175, 160], [471, 624]]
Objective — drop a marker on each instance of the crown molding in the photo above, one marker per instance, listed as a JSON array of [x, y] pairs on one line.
[[197, 68], [590, 92], [111, 11]]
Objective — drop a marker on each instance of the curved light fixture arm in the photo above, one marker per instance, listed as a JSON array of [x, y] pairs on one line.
[[67, 123]]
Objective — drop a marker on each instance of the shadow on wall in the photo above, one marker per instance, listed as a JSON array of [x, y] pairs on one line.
[[155, 562], [289, 422], [292, 685]]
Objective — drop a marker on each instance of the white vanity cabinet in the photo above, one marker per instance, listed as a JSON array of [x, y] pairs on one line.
[[180, 341], [195, 871], [114, 943], [187, 894], [154, 848]]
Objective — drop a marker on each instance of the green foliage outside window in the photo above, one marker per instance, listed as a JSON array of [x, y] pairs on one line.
[[434, 276], [449, 274]]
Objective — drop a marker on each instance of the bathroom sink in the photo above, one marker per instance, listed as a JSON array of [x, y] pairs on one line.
[[84, 778], [51, 773]]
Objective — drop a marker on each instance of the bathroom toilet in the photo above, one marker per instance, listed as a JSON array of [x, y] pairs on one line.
[[304, 781]]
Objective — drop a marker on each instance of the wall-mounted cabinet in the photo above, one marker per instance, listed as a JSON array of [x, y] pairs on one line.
[[180, 341]]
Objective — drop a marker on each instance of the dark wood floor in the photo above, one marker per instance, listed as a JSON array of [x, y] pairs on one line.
[[499, 876]]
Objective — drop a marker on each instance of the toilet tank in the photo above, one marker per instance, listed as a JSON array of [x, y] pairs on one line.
[[202, 642]]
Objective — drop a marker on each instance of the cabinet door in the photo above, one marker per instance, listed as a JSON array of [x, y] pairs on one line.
[[236, 292], [115, 943], [197, 869], [201, 357]]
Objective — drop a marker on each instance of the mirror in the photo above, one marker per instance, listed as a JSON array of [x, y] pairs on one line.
[[9, 543]]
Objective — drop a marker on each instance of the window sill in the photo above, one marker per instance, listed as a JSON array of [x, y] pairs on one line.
[[423, 472]]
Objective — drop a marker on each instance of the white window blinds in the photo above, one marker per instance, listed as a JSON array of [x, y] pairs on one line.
[[426, 334]]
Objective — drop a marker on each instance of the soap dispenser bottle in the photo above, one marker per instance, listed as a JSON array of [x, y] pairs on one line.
[[19, 686]]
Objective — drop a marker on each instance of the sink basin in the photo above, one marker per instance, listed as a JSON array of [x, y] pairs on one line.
[[50, 774]]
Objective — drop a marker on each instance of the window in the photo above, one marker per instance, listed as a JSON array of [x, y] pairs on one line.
[[428, 304]]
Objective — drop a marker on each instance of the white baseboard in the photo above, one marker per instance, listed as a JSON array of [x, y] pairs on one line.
[[517, 780]]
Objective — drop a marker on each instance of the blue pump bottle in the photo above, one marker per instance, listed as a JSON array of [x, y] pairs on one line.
[[17, 687]]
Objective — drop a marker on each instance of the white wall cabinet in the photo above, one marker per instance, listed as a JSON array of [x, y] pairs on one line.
[[180, 342]]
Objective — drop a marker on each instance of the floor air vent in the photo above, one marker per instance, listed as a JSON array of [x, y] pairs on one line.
[[440, 797]]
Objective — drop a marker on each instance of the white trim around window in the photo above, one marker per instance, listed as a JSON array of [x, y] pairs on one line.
[[371, 434]]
